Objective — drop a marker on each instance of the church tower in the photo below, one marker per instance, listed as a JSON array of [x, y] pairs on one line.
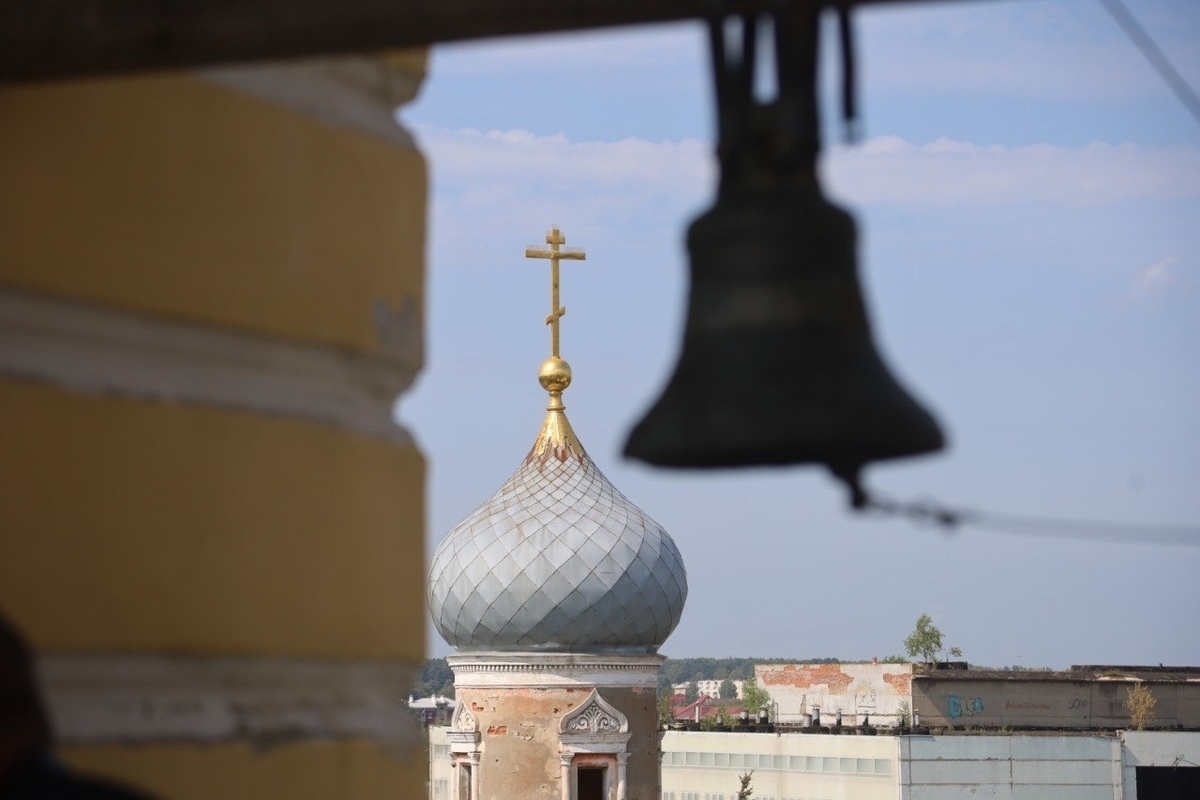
[[556, 594]]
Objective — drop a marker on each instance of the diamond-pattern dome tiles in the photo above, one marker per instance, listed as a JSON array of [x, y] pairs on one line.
[[557, 559]]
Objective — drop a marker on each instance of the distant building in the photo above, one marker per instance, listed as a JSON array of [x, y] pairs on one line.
[[982, 733], [713, 688], [1068, 765], [710, 688], [436, 710], [705, 707], [1061, 765], [1082, 698]]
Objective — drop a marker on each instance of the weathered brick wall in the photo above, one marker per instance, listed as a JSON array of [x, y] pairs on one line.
[[520, 741], [875, 690]]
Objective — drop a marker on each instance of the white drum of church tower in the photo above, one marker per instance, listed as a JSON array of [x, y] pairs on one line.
[[556, 593]]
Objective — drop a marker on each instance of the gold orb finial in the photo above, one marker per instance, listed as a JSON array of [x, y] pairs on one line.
[[555, 374]]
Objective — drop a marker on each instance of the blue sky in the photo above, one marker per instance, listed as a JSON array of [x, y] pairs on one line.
[[1028, 196]]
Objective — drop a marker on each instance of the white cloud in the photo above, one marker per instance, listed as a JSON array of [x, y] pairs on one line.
[[490, 183], [946, 172], [553, 163], [1153, 280], [479, 168]]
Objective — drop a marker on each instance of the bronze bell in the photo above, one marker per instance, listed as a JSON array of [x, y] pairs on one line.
[[778, 365]]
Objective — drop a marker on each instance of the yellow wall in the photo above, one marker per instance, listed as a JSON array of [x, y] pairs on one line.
[[174, 196], [300, 771], [144, 525], [141, 526]]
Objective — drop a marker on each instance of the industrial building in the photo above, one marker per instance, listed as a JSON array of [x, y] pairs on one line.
[[888, 731], [1030, 765], [1122, 765], [1081, 698]]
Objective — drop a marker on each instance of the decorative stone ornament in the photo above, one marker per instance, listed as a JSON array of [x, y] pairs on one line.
[[595, 715], [594, 735], [464, 721], [464, 731]]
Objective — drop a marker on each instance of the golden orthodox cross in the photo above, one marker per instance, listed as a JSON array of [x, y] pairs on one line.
[[555, 238]]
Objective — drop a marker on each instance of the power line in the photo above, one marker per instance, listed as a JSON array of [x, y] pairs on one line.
[[930, 512], [1154, 54], [1091, 530]]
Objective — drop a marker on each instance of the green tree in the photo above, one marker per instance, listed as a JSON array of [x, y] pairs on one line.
[[747, 791], [435, 677], [925, 642], [742, 670], [903, 714], [753, 697], [727, 690], [666, 712], [692, 693]]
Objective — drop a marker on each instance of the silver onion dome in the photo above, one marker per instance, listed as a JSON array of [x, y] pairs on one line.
[[557, 559]]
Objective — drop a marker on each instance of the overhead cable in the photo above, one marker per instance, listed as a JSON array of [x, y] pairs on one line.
[[930, 512], [1154, 54]]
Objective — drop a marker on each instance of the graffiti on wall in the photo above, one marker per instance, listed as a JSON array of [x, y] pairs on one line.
[[961, 707], [1027, 705]]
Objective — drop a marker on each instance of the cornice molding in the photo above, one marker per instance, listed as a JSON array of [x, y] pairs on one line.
[[122, 697], [519, 670], [358, 92], [99, 350]]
